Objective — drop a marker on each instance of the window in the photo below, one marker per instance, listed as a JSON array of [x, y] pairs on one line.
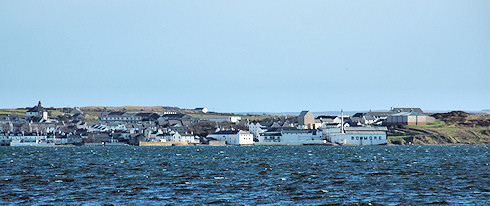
[[352, 138]]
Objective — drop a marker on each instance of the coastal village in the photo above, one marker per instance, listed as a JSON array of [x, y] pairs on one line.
[[37, 127]]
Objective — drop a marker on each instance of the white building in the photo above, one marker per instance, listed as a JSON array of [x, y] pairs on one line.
[[256, 128], [291, 136], [120, 117], [357, 135], [31, 140], [240, 137], [189, 138]]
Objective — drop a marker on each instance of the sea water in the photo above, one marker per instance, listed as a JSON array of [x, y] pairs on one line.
[[245, 175]]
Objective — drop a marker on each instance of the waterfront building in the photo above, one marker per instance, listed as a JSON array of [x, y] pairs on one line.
[[291, 136], [233, 137], [258, 127], [356, 135], [31, 140], [189, 138]]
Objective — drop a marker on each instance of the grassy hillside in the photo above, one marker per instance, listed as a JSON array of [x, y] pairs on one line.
[[20, 112], [130, 109], [450, 128]]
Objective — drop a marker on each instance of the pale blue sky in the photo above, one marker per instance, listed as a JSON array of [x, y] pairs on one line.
[[246, 56]]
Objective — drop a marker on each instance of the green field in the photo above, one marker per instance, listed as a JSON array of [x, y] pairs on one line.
[[257, 117], [20, 112], [437, 123]]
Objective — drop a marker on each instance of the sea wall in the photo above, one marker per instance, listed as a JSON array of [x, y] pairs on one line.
[[170, 143], [217, 143]]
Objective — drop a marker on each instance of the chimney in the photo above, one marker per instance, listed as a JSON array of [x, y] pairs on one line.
[[342, 121]]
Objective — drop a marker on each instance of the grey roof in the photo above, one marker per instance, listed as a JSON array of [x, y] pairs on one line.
[[326, 117], [364, 129], [276, 125], [408, 114], [290, 129], [379, 114], [271, 134], [417, 110], [174, 115], [4, 117], [358, 114], [144, 114], [369, 118], [303, 113], [36, 119], [265, 124], [115, 113], [295, 130], [227, 132]]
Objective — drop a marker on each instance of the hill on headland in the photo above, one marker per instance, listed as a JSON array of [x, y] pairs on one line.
[[456, 127], [134, 109]]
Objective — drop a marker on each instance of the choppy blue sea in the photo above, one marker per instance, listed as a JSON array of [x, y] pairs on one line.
[[246, 175]]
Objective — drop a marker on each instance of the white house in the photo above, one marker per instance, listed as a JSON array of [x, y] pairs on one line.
[[240, 137], [176, 137], [202, 109]]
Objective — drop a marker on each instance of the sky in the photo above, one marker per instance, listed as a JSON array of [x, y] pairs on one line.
[[246, 56]]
